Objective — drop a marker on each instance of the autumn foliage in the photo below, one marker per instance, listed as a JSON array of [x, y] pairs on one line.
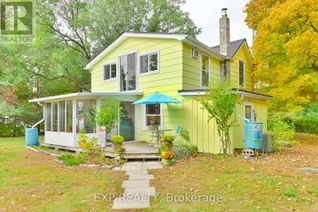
[[286, 50]]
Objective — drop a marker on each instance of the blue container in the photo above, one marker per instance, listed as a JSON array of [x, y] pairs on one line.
[[31, 137], [253, 135]]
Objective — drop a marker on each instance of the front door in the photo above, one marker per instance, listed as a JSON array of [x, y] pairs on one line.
[[127, 121]]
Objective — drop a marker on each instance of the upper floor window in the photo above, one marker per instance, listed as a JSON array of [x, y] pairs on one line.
[[205, 72], [241, 73], [110, 71], [149, 63]]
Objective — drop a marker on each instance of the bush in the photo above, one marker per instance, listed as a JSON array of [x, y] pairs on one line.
[[85, 143], [282, 131], [117, 139], [10, 130], [307, 123], [168, 139], [184, 150], [71, 160]]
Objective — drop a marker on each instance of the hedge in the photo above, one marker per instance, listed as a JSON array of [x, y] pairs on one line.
[[10, 130], [307, 124]]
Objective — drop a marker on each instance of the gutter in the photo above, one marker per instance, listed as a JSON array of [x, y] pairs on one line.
[[39, 122]]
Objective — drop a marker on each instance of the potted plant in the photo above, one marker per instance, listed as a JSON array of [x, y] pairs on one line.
[[117, 142], [166, 157], [167, 142]]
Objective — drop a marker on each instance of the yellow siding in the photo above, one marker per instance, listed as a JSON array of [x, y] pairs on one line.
[[191, 68], [202, 133], [244, 55], [179, 70], [168, 81]]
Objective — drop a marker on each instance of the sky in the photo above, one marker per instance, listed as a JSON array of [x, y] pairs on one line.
[[206, 14]]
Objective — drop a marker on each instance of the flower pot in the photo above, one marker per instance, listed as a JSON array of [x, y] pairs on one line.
[[114, 147], [166, 162]]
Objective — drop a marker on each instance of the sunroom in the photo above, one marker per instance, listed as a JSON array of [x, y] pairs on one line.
[[66, 115]]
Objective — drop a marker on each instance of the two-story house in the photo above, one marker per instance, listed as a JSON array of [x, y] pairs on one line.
[[138, 64]]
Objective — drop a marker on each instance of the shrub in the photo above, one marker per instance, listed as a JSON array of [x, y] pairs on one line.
[[117, 139], [281, 131], [11, 130], [168, 139], [306, 122], [167, 155], [71, 160], [85, 143], [184, 150]]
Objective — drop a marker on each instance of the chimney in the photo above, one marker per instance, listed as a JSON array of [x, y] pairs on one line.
[[224, 33]]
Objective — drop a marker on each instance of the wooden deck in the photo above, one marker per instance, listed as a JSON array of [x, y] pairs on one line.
[[135, 150]]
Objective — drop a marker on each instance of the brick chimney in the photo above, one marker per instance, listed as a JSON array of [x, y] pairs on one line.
[[224, 33]]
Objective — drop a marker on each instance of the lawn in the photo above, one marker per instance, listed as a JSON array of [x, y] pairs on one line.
[[35, 182]]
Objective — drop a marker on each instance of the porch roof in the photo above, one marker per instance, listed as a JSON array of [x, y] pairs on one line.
[[201, 92], [88, 94]]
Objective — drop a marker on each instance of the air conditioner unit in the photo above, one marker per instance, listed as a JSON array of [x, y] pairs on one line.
[[195, 52]]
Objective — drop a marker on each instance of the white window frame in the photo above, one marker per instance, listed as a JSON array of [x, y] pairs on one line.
[[244, 73], [253, 110], [209, 67], [110, 71], [145, 115], [148, 71]]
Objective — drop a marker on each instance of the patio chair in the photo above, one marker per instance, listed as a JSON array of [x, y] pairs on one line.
[[177, 135]]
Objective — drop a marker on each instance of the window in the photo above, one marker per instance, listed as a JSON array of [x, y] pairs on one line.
[[127, 64], [149, 63], [83, 107], [249, 111], [152, 115], [54, 117], [241, 73], [205, 71], [110, 71], [62, 116], [69, 116], [48, 117]]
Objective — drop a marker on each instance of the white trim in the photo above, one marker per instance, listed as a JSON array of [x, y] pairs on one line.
[[148, 56], [201, 57], [87, 94], [180, 37], [252, 108], [110, 71], [244, 73]]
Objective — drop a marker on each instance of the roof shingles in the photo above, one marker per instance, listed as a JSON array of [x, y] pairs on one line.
[[234, 47]]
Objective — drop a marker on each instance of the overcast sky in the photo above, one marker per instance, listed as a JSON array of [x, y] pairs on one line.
[[206, 14]]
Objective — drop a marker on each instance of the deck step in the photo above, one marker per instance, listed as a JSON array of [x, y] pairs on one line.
[[141, 156]]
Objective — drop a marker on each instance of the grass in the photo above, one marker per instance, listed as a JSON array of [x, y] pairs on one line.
[[71, 160], [35, 182]]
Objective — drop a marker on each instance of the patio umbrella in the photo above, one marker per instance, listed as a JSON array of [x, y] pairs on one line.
[[156, 99]]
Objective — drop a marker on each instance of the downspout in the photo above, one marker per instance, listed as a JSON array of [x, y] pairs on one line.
[[39, 122]]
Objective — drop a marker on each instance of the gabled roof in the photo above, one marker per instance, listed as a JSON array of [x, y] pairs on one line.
[[234, 47], [181, 37]]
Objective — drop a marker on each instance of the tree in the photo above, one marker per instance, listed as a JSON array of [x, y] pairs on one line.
[[286, 50], [107, 116], [70, 32], [220, 103]]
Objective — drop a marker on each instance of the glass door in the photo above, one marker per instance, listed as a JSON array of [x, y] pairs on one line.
[[128, 72], [127, 121]]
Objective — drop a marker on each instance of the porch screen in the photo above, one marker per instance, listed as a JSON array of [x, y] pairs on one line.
[[83, 107], [48, 117], [62, 116], [69, 116]]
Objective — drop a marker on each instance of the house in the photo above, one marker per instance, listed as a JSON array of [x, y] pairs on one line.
[[138, 64]]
